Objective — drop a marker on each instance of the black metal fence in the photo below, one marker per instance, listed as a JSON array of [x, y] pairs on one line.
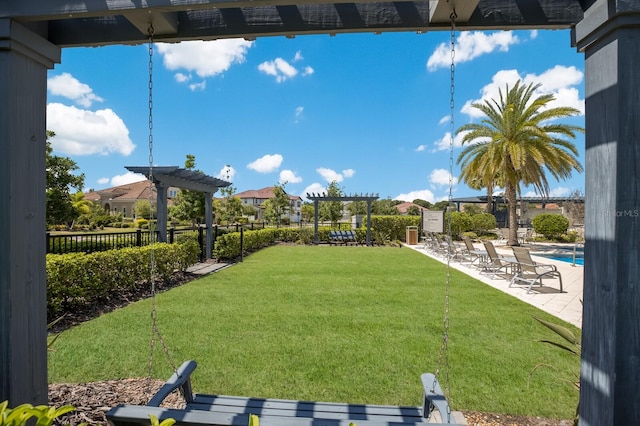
[[92, 242]]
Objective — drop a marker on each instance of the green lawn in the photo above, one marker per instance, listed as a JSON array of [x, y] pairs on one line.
[[351, 324]]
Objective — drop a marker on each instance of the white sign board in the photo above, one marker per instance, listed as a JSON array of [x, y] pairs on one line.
[[433, 221]]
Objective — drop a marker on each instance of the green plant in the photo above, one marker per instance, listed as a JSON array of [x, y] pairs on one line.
[[165, 422], [460, 222], [552, 226], [22, 414], [571, 344], [483, 222]]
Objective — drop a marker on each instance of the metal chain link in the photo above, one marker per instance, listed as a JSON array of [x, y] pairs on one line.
[[155, 331], [443, 357]]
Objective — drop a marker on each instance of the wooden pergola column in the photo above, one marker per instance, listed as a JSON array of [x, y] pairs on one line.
[[24, 60], [609, 35]]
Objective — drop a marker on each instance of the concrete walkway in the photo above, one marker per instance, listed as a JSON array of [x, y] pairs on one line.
[[206, 268], [566, 305]]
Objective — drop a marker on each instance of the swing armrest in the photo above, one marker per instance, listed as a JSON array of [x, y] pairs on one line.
[[181, 379], [434, 398]]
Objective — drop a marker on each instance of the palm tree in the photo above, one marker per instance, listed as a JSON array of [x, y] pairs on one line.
[[517, 143]]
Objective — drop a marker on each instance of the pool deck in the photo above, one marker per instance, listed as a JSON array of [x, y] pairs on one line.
[[566, 305]]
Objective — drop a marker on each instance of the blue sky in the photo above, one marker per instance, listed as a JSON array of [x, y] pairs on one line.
[[369, 111]]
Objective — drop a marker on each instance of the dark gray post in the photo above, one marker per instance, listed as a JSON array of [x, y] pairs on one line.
[[24, 60], [208, 220], [369, 202], [315, 222], [609, 35], [161, 214]]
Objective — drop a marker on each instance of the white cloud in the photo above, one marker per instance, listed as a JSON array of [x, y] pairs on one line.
[[205, 58], [443, 143], [283, 70], [423, 194], [469, 46], [533, 34], [314, 188], [266, 164], [440, 177], [329, 175], [103, 181], [560, 191], [69, 87], [421, 148], [298, 113], [182, 78], [83, 132], [198, 86], [559, 81], [289, 176], [445, 119], [279, 68], [227, 173], [126, 178]]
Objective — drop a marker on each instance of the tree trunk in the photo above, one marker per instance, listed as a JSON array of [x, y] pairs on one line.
[[510, 194]]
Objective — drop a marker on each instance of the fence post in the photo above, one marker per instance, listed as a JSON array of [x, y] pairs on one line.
[[139, 237], [171, 232], [241, 244], [201, 243], [48, 241]]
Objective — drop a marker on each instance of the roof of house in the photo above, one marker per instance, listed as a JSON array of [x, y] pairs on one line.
[[403, 207], [128, 192], [262, 194]]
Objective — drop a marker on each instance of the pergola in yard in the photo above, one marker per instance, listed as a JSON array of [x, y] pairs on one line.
[[316, 198], [164, 177], [32, 33]]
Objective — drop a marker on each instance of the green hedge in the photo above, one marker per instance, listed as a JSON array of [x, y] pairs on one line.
[[78, 279], [390, 228]]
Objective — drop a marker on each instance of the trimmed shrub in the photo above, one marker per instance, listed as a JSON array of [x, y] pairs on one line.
[[483, 222], [460, 222], [78, 279], [390, 228], [552, 226]]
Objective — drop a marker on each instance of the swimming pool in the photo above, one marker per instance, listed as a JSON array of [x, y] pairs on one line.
[[568, 258]]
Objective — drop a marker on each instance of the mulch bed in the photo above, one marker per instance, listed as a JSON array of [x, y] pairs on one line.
[[93, 400]]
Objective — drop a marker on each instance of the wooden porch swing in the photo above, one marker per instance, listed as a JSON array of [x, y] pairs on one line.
[[221, 410]]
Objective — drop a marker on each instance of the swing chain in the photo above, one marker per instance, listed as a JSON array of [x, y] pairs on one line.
[[155, 331], [443, 358]]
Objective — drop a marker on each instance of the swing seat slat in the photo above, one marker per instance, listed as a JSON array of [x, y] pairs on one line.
[[220, 410]]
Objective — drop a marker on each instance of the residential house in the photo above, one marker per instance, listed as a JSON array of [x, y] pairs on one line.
[[121, 199], [404, 207], [256, 198]]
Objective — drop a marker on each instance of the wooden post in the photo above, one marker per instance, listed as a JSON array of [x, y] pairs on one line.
[[24, 60], [609, 35]]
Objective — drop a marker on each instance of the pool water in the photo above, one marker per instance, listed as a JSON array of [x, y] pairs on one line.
[[566, 257]]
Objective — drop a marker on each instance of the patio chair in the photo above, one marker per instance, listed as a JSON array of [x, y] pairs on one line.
[[455, 252], [474, 254], [530, 272], [496, 264]]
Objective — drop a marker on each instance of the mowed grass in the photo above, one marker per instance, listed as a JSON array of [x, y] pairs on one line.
[[351, 324]]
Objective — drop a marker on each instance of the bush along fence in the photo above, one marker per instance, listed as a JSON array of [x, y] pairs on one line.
[[77, 279]]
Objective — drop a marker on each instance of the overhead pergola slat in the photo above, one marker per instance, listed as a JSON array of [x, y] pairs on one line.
[[102, 22]]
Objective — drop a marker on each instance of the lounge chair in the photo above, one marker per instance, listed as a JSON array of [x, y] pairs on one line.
[[474, 254], [496, 264], [530, 272]]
